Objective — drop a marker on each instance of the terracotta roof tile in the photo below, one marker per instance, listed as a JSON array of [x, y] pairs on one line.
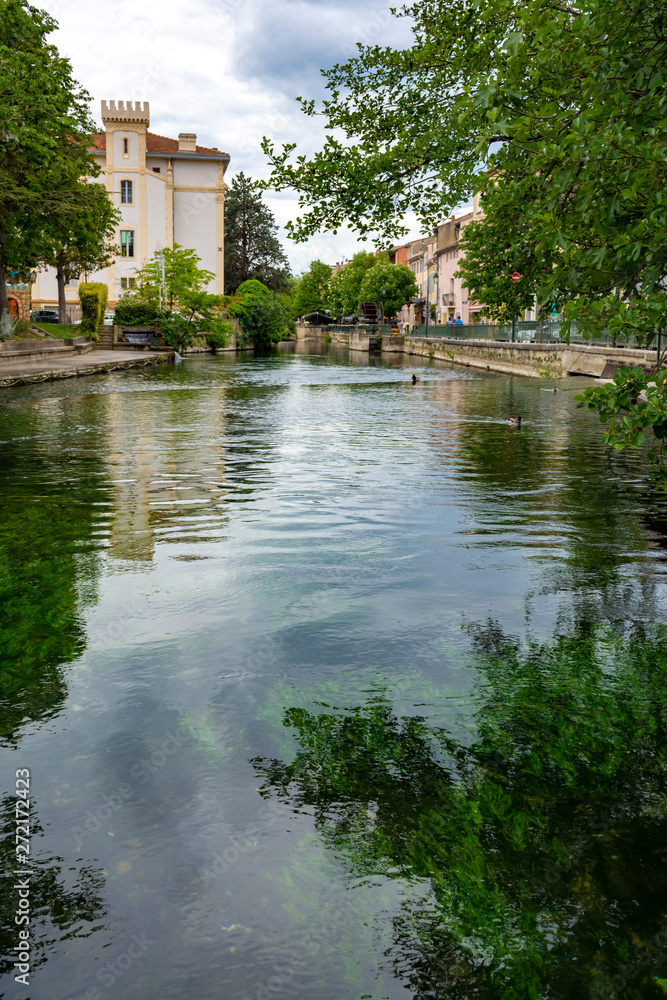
[[156, 144]]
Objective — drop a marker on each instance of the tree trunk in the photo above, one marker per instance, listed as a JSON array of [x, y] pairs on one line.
[[4, 298], [62, 301]]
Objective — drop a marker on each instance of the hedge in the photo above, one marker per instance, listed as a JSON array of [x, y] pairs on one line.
[[93, 298], [134, 311]]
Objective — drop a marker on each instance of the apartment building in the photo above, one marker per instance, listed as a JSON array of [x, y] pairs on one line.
[[454, 301]]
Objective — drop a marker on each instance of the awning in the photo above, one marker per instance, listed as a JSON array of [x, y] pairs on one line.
[[319, 318]]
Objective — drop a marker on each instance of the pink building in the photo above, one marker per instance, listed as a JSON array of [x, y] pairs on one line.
[[453, 301]]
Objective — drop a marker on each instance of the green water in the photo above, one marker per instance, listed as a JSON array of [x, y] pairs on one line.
[[331, 686]]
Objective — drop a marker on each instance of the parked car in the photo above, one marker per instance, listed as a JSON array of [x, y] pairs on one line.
[[109, 317], [44, 316]]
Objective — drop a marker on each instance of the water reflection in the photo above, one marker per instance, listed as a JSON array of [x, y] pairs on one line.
[[66, 899], [541, 843], [188, 552], [53, 515]]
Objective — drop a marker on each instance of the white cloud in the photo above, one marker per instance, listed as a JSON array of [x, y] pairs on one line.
[[229, 70]]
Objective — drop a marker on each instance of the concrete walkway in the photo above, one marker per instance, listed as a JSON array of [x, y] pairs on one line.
[[17, 371]]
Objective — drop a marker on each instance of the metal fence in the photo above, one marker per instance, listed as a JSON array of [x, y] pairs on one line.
[[526, 332]]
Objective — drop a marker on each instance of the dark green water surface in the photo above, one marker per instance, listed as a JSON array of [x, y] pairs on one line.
[[331, 687]]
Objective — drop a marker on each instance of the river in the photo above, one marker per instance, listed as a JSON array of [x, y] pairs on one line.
[[331, 686]]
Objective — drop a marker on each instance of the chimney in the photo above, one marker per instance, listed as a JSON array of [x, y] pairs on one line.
[[187, 142]]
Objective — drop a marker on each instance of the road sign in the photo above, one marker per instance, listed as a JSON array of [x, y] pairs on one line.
[[516, 276]]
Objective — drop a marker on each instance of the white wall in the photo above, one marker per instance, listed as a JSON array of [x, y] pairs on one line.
[[192, 173], [194, 215], [156, 202], [133, 160], [194, 225]]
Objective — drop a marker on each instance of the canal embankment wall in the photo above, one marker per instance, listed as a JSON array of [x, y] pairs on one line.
[[547, 360], [24, 362]]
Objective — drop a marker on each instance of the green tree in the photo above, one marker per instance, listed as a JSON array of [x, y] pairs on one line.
[[567, 100], [502, 242], [312, 289], [633, 406], [345, 286], [264, 318], [79, 237], [389, 285], [45, 127], [252, 249], [174, 284], [171, 276]]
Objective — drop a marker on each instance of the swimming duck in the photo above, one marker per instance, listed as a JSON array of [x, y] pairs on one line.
[[415, 379], [515, 421]]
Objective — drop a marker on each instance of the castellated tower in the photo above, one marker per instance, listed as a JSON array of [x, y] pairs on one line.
[[166, 190], [126, 111]]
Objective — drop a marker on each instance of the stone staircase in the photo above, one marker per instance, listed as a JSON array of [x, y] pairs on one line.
[[105, 343], [29, 350]]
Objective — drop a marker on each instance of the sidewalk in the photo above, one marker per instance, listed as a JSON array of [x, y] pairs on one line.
[[17, 371]]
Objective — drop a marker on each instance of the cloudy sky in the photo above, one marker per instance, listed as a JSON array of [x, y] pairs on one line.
[[229, 70]]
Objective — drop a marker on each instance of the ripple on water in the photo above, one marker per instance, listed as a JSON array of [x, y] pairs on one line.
[[210, 569]]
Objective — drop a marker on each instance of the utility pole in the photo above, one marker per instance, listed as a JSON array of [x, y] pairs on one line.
[[515, 277]]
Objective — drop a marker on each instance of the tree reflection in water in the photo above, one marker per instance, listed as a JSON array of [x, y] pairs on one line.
[[62, 906], [542, 843], [49, 568]]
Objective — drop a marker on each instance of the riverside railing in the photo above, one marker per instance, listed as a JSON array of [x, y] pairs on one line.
[[527, 332]]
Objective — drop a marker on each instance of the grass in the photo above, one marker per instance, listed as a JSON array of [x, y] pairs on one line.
[[59, 329]]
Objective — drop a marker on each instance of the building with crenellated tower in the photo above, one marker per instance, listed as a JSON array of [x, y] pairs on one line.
[[167, 190]]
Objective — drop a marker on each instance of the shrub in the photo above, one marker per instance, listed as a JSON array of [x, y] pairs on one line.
[[135, 311], [6, 326], [177, 331], [263, 318], [252, 287], [93, 298], [22, 328], [221, 335]]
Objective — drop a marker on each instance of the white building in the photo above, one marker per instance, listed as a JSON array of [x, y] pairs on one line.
[[168, 191]]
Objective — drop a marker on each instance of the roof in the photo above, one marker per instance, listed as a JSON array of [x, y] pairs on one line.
[[158, 144]]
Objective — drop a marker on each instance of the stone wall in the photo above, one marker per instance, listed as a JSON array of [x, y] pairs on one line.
[[581, 359], [19, 300], [532, 360]]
